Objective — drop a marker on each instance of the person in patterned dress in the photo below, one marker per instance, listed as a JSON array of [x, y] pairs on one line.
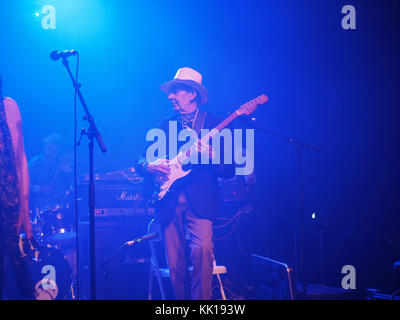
[[14, 195]]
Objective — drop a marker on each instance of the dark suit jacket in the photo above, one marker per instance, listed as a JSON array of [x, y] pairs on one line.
[[200, 185]]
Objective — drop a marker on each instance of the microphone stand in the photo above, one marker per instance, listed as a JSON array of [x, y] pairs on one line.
[[105, 264], [299, 146], [130, 243], [92, 132]]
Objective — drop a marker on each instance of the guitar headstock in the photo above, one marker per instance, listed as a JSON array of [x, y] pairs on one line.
[[249, 107]]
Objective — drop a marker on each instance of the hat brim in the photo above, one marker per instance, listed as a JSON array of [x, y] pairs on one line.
[[201, 90]]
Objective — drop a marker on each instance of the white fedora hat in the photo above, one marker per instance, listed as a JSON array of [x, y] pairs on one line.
[[191, 78]]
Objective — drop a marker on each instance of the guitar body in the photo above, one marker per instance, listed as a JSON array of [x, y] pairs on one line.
[[176, 172]]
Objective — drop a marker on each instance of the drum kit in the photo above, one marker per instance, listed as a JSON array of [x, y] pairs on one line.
[[52, 253]]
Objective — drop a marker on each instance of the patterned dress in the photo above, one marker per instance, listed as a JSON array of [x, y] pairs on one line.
[[9, 195], [9, 211]]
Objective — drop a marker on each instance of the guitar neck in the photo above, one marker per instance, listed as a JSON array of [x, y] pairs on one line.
[[246, 108], [184, 156], [221, 126]]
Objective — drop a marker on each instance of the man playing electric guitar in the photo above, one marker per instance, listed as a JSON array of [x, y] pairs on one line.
[[193, 201]]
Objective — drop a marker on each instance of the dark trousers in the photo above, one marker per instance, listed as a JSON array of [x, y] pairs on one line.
[[201, 253], [9, 247]]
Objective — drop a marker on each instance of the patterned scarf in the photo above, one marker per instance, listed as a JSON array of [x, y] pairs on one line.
[[186, 120], [9, 196]]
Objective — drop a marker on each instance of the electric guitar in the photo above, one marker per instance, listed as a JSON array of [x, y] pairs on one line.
[[175, 164]]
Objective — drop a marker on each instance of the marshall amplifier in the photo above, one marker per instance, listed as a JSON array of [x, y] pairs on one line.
[[123, 212], [115, 197]]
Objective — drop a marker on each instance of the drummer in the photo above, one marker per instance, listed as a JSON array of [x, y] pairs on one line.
[[51, 175]]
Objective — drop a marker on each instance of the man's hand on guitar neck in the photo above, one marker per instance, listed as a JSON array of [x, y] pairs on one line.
[[206, 149], [203, 148]]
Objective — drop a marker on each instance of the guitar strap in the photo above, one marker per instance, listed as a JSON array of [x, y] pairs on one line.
[[199, 120]]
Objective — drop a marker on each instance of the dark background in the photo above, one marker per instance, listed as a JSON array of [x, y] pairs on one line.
[[333, 88]]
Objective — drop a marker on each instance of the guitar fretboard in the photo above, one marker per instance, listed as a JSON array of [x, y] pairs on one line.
[[247, 107], [182, 157], [221, 126]]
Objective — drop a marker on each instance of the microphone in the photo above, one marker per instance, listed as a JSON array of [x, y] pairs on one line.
[[148, 236], [128, 244], [55, 55]]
